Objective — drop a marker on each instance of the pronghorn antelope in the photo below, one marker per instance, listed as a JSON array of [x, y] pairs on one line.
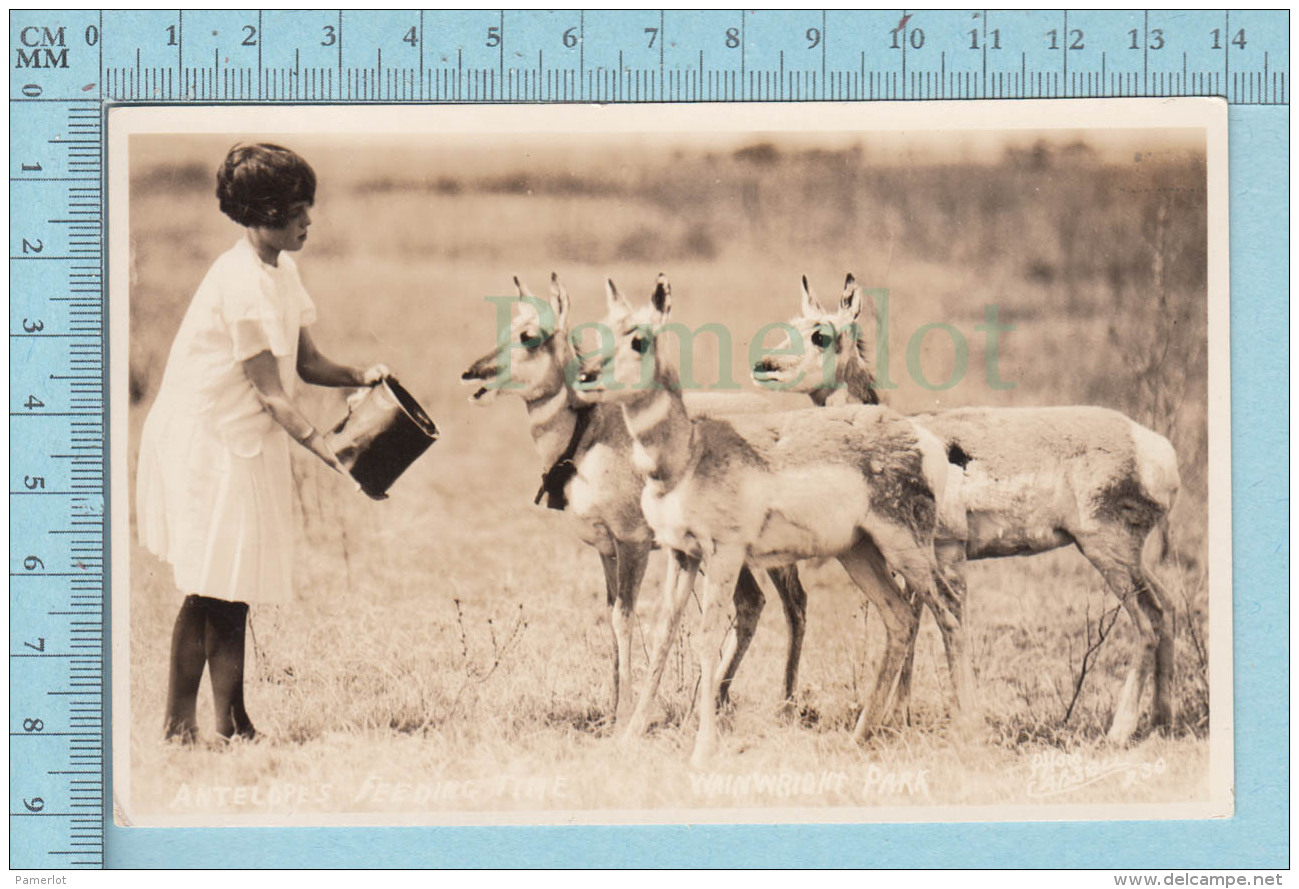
[[856, 388], [860, 484], [591, 478], [1032, 480]]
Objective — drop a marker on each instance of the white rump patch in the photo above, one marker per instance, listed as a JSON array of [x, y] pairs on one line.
[[1156, 465]]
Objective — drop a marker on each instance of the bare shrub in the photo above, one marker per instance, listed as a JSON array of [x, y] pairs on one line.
[[478, 667]]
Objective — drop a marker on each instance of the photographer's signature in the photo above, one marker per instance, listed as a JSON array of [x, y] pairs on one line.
[[1053, 773]]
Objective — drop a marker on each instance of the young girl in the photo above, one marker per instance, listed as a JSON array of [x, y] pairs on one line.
[[214, 489]]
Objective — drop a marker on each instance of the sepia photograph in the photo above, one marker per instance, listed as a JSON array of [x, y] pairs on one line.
[[670, 463]]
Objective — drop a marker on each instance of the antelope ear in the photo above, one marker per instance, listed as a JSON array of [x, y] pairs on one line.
[[559, 301], [614, 300], [811, 305], [850, 302], [521, 288], [662, 298], [528, 313]]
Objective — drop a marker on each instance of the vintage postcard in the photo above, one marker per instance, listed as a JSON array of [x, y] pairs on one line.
[[667, 464]]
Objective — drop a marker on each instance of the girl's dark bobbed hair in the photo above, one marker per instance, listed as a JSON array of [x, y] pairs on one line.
[[257, 184]]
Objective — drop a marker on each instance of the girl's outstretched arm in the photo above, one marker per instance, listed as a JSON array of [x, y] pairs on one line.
[[264, 373], [315, 368]]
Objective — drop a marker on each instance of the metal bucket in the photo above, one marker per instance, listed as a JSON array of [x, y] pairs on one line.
[[381, 436]]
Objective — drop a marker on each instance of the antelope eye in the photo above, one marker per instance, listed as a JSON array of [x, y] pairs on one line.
[[640, 345], [820, 339]]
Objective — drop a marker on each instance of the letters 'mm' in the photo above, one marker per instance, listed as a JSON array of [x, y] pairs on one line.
[[37, 48]]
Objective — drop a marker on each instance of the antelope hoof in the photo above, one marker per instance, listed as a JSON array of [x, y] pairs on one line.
[[967, 728], [863, 730], [623, 715], [1122, 729], [634, 727], [1119, 735], [703, 753], [1162, 719]]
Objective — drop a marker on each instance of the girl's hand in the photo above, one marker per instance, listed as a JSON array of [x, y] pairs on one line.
[[374, 374], [317, 445], [315, 442]]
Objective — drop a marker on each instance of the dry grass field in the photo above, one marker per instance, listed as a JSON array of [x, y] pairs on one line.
[[449, 649]]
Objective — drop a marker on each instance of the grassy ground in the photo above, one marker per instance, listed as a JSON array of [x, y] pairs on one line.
[[449, 649]]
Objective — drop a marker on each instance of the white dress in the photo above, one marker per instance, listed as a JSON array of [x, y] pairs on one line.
[[214, 488]]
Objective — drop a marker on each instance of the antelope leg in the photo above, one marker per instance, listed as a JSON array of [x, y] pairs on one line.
[[867, 568], [677, 585], [749, 602], [720, 576]]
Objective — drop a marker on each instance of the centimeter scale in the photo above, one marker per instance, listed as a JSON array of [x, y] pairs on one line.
[[68, 66]]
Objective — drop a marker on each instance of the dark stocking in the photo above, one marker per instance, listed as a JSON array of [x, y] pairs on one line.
[[187, 659], [225, 656]]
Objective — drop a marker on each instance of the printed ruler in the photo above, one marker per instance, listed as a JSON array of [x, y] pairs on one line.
[[67, 66]]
